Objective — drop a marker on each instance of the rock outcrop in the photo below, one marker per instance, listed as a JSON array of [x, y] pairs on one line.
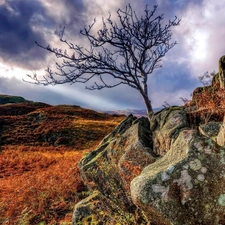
[[108, 171], [165, 170], [222, 72], [218, 82], [162, 172], [186, 186], [165, 127]]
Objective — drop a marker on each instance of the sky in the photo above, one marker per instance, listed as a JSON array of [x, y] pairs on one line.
[[200, 37]]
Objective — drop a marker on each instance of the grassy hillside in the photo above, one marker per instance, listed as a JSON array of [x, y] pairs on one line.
[[38, 124], [40, 148]]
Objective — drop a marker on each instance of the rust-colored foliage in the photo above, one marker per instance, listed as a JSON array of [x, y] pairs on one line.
[[41, 146], [208, 104], [43, 125], [38, 184]]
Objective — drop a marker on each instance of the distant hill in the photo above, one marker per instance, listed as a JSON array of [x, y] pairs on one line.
[[135, 112], [6, 99]]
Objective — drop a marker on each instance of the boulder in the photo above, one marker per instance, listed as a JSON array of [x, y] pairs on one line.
[[186, 186], [109, 170], [98, 209]]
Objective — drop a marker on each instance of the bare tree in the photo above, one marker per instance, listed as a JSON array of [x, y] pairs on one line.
[[127, 51]]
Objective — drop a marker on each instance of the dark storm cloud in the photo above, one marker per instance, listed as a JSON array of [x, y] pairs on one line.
[[17, 36], [24, 22]]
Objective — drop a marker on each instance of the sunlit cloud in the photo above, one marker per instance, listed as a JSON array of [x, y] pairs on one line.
[[201, 35]]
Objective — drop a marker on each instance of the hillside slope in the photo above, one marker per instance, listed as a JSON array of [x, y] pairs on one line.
[[40, 124], [41, 146]]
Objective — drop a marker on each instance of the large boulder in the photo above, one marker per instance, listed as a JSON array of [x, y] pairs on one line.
[[186, 186], [108, 171]]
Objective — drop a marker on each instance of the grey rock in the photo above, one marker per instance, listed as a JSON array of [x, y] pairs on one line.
[[165, 126], [222, 72], [220, 139], [186, 186], [110, 168], [157, 171]]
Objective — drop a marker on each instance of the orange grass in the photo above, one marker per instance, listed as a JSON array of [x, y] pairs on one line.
[[209, 105], [39, 184], [55, 125], [41, 147]]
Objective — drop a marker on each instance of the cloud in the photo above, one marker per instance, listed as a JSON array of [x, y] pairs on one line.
[[68, 13], [200, 38], [17, 36], [24, 22], [201, 35]]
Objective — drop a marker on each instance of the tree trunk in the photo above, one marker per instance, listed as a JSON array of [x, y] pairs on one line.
[[148, 105], [144, 94]]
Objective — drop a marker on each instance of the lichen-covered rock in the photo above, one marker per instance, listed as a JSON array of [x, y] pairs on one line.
[[110, 168], [165, 126], [158, 171], [186, 186]]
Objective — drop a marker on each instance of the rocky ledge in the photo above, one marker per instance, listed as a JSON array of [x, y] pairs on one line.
[[158, 172]]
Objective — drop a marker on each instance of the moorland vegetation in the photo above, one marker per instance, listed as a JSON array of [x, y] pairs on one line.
[[41, 146]]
